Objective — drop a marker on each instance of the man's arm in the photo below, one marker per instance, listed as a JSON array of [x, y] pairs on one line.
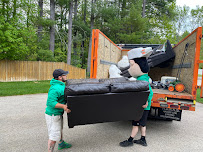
[[52, 101], [62, 106]]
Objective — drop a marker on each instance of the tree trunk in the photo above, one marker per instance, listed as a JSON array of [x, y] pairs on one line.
[[14, 8], [66, 11], [83, 42], [90, 42], [52, 28], [75, 33], [61, 24], [40, 3], [82, 54], [143, 8], [124, 5], [75, 9], [28, 13], [61, 16], [70, 33]]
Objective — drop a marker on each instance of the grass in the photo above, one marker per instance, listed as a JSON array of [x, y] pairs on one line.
[[198, 99], [23, 87]]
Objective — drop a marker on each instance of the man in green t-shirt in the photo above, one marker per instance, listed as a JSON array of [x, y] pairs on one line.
[[56, 105]]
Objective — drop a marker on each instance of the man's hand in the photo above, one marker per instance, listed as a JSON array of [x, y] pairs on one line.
[[62, 106], [66, 109], [145, 106]]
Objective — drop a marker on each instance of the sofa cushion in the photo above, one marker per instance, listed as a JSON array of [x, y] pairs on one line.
[[86, 88], [132, 86]]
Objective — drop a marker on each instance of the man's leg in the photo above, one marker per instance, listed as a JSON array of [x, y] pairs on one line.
[[61, 140], [62, 144], [142, 141], [54, 124], [50, 126], [129, 142], [134, 131], [143, 120], [143, 130], [51, 145]]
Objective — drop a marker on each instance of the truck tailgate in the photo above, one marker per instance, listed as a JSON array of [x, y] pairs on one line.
[[178, 100]]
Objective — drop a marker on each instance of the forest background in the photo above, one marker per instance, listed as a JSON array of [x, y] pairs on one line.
[[60, 30]]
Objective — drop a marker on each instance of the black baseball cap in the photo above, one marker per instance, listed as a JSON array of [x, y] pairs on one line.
[[59, 72]]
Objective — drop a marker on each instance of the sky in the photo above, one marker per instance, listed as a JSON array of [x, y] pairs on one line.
[[191, 3]]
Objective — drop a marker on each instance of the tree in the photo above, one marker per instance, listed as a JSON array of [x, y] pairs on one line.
[[61, 22], [40, 3], [134, 27], [90, 40], [85, 11], [70, 33], [181, 20], [158, 8], [14, 8], [52, 28], [143, 8], [15, 40], [161, 14], [19, 30], [197, 17], [75, 31]]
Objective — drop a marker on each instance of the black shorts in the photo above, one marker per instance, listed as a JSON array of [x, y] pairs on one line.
[[142, 121]]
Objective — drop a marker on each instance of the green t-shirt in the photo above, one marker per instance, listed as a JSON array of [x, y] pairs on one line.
[[55, 95], [145, 77]]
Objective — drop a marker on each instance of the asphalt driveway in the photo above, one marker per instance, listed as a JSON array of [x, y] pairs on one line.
[[23, 129]]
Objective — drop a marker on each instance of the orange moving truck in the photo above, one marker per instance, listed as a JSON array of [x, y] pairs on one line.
[[165, 104]]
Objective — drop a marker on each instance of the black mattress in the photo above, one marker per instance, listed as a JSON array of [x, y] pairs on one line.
[[105, 100]]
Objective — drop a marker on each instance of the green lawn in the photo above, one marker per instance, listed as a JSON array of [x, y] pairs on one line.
[[198, 96], [23, 87]]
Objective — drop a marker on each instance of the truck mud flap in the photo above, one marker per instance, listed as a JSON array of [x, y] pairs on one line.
[[109, 107]]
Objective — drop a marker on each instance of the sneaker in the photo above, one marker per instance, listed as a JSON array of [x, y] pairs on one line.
[[64, 145], [141, 142], [126, 143]]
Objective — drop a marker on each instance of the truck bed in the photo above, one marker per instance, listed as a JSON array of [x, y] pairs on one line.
[[165, 91]]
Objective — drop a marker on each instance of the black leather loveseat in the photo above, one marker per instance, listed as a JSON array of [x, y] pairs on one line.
[[104, 100]]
